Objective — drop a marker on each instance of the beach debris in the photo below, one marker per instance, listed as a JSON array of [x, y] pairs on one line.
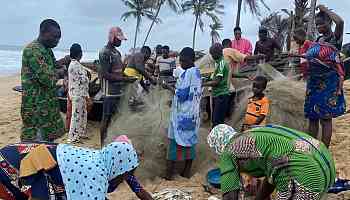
[[172, 194]]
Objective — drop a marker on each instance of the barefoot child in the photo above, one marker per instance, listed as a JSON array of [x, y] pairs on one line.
[[184, 118]]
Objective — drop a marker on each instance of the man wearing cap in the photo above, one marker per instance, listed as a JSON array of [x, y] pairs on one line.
[[111, 75], [266, 45]]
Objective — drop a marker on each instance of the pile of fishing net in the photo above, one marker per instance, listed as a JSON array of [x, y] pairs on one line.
[[146, 126]]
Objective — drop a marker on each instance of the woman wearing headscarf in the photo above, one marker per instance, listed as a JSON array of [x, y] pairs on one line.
[[73, 172], [184, 118], [298, 166], [324, 89]]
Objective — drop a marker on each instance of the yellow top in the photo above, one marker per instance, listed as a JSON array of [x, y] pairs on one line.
[[131, 72]]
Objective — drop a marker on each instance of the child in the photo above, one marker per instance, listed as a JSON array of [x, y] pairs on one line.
[[258, 105], [184, 118]]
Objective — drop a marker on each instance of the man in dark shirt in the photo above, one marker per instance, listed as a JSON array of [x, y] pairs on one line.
[[112, 78], [266, 45]]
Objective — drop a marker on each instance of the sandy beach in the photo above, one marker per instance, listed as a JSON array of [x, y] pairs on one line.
[[10, 127]]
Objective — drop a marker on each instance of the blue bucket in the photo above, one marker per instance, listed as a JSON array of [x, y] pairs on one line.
[[213, 177]]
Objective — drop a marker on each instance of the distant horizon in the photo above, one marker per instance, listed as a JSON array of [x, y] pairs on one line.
[[20, 47]]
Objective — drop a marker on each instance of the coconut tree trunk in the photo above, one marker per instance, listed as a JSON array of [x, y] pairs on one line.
[[194, 32], [138, 19], [153, 21], [311, 30], [239, 9]]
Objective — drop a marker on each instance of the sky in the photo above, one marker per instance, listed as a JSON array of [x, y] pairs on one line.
[[87, 22]]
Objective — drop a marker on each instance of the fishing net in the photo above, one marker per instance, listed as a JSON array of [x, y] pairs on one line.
[[146, 125]]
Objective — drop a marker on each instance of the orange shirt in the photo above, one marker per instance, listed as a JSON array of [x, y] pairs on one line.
[[255, 109]]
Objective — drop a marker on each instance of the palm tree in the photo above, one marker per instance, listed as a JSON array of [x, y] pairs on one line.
[[311, 27], [173, 5], [138, 9], [215, 36], [209, 8], [301, 10], [277, 26], [253, 7]]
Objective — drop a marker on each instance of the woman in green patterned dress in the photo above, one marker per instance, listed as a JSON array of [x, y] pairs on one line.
[[298, 166]]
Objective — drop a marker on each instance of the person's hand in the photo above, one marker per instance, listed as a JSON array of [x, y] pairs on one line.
[[322, 8]]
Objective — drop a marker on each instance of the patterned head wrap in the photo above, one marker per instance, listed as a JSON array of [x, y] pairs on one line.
[[220, 136], [116, 32], [86, 173]]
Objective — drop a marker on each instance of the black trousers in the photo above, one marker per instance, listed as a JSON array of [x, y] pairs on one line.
[[220, 109]]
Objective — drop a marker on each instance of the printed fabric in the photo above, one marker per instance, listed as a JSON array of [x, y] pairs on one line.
[[40, 109], [184, 117], [294, 162], [78, 121], [324, 90], [78, 83], [220, 136], [86, 172]]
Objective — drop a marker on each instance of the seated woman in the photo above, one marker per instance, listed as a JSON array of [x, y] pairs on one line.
[[295, 164], [73, 172]]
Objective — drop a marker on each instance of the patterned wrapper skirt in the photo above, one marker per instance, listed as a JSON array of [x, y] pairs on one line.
[[322, 100], [180, 153]]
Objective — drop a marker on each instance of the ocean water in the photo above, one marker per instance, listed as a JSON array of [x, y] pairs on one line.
[[11, 59]]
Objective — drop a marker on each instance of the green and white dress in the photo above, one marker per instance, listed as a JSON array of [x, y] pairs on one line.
[[299, 166]]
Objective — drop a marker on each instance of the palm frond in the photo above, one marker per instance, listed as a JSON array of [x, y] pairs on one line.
[[128, 14]]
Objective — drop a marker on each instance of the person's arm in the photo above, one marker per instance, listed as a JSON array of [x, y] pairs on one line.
[[217, 78], [214, 82], [137, 188], [139, 65], [230, 178], [265, 190], [106, 61], [38, 69], [339, 28]]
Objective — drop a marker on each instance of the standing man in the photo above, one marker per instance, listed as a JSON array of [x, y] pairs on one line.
[[266, 45], [241, 44], [111, 74], [40, 110]]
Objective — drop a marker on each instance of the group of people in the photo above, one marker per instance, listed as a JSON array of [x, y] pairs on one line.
[[295, 165]]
